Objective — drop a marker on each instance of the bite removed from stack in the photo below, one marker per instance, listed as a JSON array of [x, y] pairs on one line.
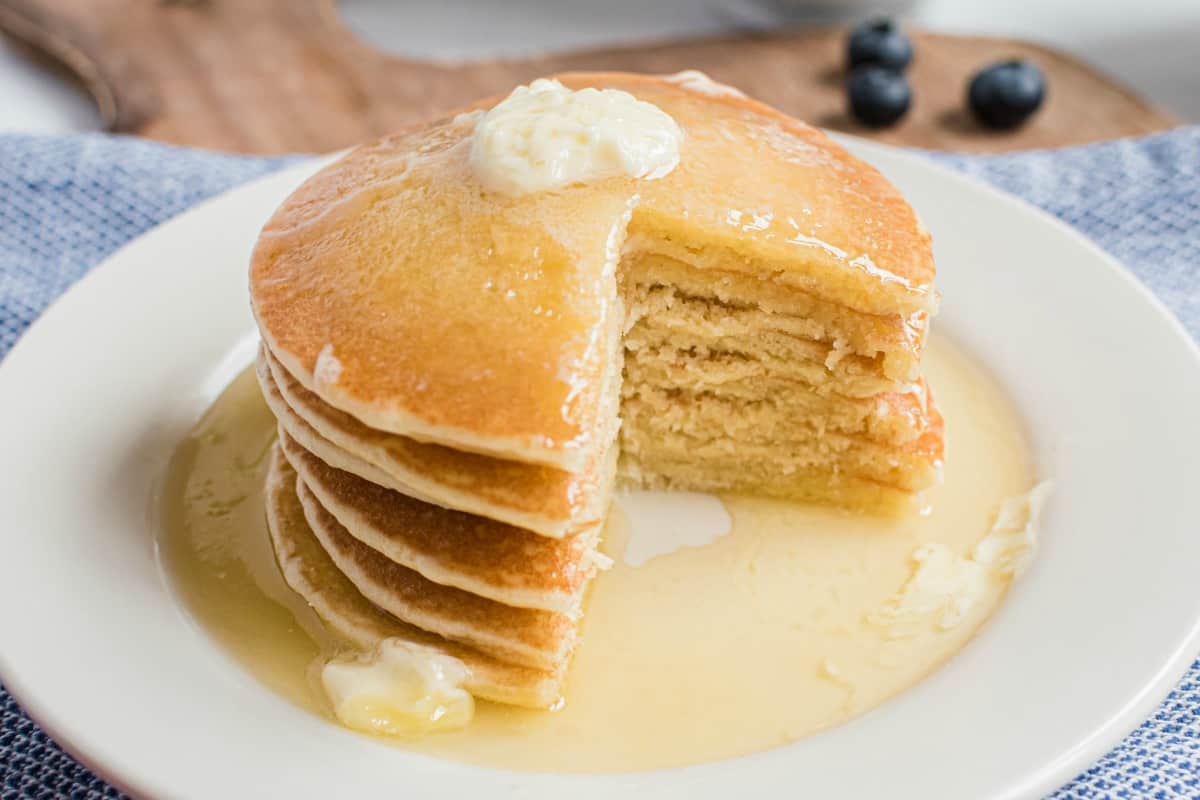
[[449, 364]]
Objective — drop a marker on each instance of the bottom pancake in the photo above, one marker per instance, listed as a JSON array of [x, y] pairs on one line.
[[310, 572]]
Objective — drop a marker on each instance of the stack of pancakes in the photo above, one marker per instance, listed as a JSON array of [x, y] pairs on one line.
[[455, 371]]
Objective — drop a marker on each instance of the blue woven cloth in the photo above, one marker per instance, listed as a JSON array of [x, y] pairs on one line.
[[67, 202]]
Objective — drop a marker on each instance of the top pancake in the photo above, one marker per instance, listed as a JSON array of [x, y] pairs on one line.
[[396, 289]]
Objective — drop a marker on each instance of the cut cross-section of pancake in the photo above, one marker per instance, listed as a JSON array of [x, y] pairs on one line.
[[310, 572]]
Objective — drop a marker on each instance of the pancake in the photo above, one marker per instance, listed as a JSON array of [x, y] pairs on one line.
[[491, 559], [308, 570], [395, 289], [544, 499]]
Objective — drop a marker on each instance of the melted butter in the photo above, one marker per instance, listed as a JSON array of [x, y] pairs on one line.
[[398, 689], [759, 638]]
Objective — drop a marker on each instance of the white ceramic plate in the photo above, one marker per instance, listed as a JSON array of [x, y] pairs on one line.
[[92, 643]]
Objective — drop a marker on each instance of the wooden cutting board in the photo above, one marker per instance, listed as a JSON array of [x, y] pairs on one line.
[[275, 76]]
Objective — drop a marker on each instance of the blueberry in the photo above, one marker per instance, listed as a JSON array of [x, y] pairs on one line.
[[879, 41], [1006, 94], [878, 96]]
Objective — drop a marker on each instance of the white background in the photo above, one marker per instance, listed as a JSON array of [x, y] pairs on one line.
[[1148, 44]]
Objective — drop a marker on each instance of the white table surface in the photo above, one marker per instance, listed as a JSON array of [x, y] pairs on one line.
[[1147, 44]]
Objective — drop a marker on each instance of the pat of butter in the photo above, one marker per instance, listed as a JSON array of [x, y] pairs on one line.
[[1009, 548], [398, 689], [946, 587], [943, 589], [545, 136]]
